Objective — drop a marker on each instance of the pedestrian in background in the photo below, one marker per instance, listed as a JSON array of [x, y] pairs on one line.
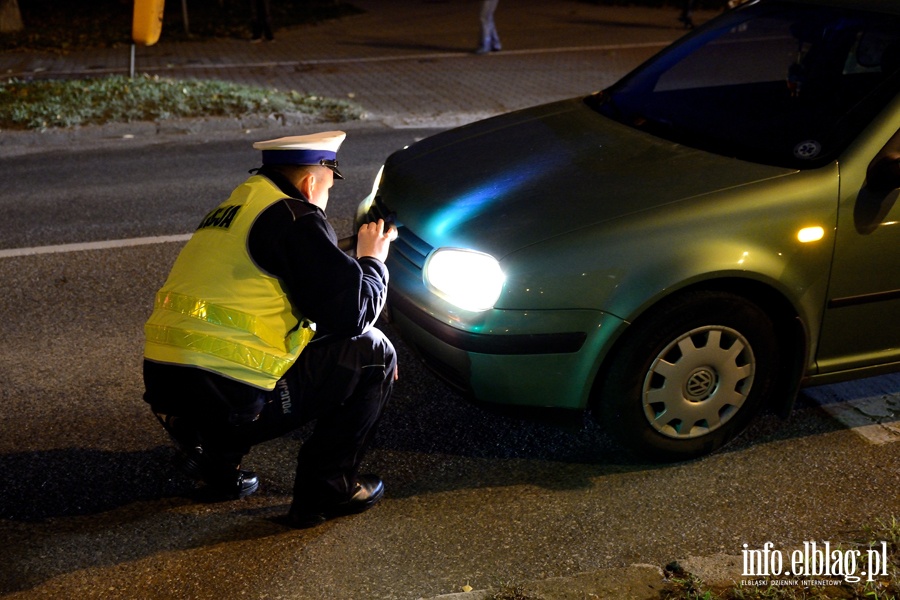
[[490, 41], [261, 21], [687, 14]]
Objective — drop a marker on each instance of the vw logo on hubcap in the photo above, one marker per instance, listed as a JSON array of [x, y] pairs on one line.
[[700, 385]]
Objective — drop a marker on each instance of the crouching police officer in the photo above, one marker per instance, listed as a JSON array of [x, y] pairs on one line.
[[264, 324]]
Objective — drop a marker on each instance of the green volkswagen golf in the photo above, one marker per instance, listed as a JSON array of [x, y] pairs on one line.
[[674, 253]]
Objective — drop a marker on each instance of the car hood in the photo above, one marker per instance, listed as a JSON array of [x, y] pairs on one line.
[[507, 182]]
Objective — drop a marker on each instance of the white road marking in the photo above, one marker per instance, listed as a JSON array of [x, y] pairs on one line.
[[876, 418], [880, 426], [104, 245]]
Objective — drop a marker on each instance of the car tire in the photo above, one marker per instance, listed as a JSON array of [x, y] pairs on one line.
[[689, 376]]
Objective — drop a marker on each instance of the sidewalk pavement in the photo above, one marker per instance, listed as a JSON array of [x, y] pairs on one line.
[[409, 63]]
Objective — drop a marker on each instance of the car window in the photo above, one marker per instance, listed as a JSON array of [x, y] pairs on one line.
[[778, 83]]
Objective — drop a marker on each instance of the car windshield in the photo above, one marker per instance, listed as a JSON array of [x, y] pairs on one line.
[[781, 83]]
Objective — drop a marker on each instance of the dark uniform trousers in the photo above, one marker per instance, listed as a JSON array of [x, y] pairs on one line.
[[342, 383]]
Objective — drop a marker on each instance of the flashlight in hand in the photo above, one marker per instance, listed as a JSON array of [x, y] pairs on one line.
[[348, 244]]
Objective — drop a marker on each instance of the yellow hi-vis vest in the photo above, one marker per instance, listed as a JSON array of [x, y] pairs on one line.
[[219, 311]]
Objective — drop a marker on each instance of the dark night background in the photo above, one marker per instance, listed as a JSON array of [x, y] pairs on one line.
[[62, 25]]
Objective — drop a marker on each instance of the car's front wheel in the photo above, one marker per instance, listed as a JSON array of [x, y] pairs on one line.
[[689, 376]]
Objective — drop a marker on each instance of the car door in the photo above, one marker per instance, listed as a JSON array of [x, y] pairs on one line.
[[861, 326]]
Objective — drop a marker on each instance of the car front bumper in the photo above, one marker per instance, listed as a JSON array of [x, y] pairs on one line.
[[519, 357]]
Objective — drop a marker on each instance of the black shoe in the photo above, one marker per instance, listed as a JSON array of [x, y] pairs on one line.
[[224, 480], [233, 487], [369, 490]]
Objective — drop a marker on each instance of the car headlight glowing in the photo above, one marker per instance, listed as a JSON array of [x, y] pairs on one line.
[[466, 278]]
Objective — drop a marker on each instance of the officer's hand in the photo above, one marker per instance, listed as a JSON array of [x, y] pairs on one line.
[[372, 240]]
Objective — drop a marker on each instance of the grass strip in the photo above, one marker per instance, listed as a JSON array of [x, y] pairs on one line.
[[46, 104]]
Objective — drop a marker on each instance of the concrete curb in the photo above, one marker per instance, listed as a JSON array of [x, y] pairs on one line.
[[635, 582]]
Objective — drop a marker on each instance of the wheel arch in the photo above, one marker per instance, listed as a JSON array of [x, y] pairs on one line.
[[790, 330]]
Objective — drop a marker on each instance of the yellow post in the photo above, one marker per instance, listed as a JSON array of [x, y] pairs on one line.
[[147, 23]]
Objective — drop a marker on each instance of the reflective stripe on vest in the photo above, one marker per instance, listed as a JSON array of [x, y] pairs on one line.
[[251, 358], [198, 308]]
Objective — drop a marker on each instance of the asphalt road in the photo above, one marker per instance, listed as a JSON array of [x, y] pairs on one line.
[[90, 507], [130, 187]]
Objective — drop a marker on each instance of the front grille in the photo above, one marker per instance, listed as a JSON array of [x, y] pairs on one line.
[[408, 245], [411, 247]]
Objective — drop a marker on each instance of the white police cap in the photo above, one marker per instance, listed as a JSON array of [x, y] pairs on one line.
[[313, 149]]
